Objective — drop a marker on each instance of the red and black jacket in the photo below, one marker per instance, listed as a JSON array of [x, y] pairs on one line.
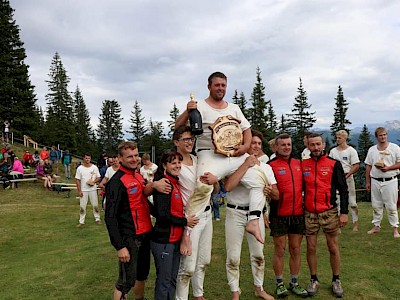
[[322, 178], [289, 178], [127, 208], [170, 218]]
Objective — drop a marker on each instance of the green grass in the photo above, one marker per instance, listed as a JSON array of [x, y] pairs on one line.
[[44, 256]]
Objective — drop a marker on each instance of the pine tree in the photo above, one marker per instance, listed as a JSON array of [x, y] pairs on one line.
[[241, 102], [300, 120], [257, 113], [283, 127], [137, 127], [156, 138], [174, 114], [83, 129], [17, 98], [109, 130], [60, 125], [364, 143], [272, 124], [339, 117]]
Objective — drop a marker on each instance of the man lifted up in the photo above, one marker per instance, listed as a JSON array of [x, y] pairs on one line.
[[208, 162]]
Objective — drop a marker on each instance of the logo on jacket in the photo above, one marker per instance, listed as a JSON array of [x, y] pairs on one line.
[[281, 171], [133, 190], [325, 170]]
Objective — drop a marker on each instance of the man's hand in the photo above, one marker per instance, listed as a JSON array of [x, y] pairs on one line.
[[368, 186], [266, 221], [208, 178], [251, 161], [191, 105], [192, 220], [162, 186], [343, 219], [240, 150], [268, 190], [123, 255]]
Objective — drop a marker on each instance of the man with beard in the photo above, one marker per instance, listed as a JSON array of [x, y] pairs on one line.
[[323, 176], [208, 162]]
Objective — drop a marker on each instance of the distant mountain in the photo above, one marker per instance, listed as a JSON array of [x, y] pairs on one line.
[[392, 126]]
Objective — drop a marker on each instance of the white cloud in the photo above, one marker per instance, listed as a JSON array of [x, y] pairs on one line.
[[157, 52]]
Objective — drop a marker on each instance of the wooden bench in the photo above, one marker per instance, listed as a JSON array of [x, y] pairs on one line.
[[14, 182]]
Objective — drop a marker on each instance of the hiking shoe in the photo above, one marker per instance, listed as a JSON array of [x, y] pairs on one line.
[[80, 225], [312, 287], [337, 289], [281, 290], [296, 289]]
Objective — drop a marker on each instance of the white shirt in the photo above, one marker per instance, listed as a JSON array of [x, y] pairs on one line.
[[110, 172], [148, 173], [209, 115], [240, 194], [187, 180], [264, 158], [347, 157], [86, 173], [305, 154], [390, 156]]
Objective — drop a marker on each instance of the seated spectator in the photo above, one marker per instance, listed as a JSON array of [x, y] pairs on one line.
[[17, 168], [48, 169], [44, 154], [36, 159], [40, 174], [27, 159], [3, 166]]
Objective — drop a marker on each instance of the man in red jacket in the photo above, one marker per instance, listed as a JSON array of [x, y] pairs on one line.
[[287, 215], [128, 221], [323, 176]]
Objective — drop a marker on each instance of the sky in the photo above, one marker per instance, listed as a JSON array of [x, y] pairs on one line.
[[158, 52]]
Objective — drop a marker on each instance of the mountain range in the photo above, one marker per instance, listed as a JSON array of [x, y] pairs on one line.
[[392, 126]]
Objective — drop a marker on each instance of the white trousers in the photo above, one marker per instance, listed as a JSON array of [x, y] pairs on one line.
[[192, 268], [235, 224], [384, 194], [222, 166], [83, 203]]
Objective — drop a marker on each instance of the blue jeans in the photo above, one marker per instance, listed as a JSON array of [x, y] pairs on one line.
[[215, 204]]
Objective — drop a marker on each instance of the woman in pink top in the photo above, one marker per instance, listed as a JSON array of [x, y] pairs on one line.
[[17, 166], [47, 182]]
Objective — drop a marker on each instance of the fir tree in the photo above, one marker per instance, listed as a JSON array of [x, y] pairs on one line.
[[283, 127], [272, 124], [155, 138], [241, 102], [257, 113], [300, 120], [109, 130], [137, 127], [60, 125], [17, 98], [83, 129], [174, 114], [340, 120], [364, 143]]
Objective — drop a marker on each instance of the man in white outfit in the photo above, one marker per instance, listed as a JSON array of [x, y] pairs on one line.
[[235, 223], [382, 167], [192, 267], [348, 157], [87, 176], [208, 162]]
